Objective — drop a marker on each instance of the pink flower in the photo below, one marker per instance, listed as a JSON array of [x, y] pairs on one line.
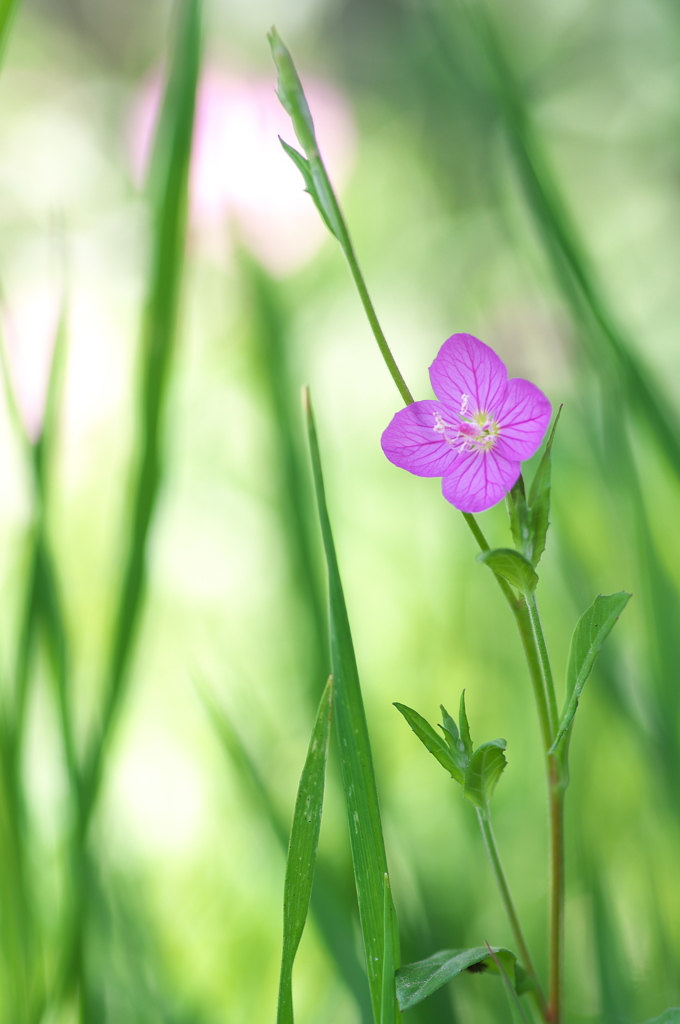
[[478, 432]]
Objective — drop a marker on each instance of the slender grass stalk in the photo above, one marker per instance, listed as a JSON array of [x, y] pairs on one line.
[[508, 903]]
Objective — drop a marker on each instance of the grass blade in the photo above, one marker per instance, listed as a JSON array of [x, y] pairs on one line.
[[356, 761], [328, 906], [304, 840], [608, 346], [168, 192]]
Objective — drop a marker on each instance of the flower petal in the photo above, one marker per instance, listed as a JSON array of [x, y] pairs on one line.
[[411, 441], [479, 480], [466, 366], [523, 418]]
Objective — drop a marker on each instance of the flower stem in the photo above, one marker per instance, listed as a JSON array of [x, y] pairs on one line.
[[532, 638], [506, 897], [549, 685]]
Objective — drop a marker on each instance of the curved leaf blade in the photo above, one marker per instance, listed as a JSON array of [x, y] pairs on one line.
[[513, 567], [671, 1016], [430, 739], [592, 629], [483, 772], [419, 980], [304, 841], [356, 760]]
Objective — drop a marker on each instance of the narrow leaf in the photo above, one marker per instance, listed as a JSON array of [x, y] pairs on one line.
[[305, 170], [417, 981], [356, 761], [483, 772], [294, 101], [513, 567], [464, 726], [518, 511], [304, 841], [592, 629], [671, 1016], [388, 1010], [437, 746], [539, 499], [335, 924]]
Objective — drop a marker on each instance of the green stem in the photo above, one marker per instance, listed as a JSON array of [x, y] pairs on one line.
[[369, 309], [556, 945], [535, 651], [506, 897], [545, 665]]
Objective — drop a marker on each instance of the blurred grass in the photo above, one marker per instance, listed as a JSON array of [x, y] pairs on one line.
[[516, 178]]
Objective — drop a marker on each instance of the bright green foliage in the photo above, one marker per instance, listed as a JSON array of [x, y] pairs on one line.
[[513, 567], [418, 980], [529, 518], [671, 1016], [388, 1005], [539, 499], [294, 101], [304, 840], [483, 772], [444, 750], [477, 771], [356, 760], [592, 629]]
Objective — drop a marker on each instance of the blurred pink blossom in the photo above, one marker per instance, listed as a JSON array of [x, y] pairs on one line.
[[240, 177]]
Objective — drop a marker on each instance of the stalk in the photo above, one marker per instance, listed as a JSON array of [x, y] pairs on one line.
[[508, 903]]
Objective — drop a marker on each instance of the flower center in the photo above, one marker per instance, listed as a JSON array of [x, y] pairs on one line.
[[476, 431]]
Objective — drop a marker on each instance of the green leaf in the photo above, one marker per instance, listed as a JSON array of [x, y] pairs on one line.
[[513, 567], [294, 101], [464, 726], [539, 498], [388, 1007], [418, 980], [518, 1014], [438, 747], [592, 629], [305, 168], [335, 925], [483, 772], [671, 1016], [356, 761], [304, 841], [519, 518]]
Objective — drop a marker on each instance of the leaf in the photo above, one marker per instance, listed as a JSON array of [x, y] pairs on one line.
[[592, 629], [356, 761], [388, 1007], [539, 499], [335, 925], [513, 567], [519, 518], [518, 1015], [294, 101], [304, 841], [671, 1016], [305, 168], [464, 726], [483, 772], [430, 739], [418, 980]]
